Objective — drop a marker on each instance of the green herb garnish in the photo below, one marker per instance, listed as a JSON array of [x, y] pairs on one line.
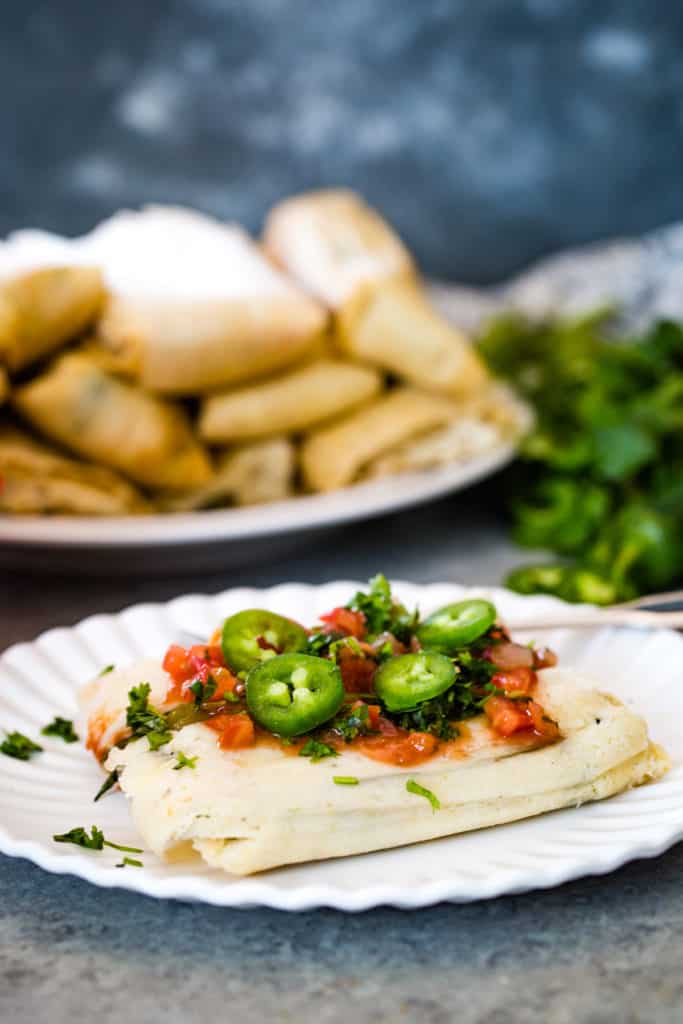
[[106, 670], [183, 761], [108, 783], [345, 780], [95, 841], [19, 746], [600, 480], [418, 790], [130, 862], [61, 727], [144, 720], [316, 750], [382, 613], [203, 692], [352, 722]]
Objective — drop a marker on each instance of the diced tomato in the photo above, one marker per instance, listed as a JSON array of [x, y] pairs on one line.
[[195, 664], [357, 670], [516, 680], [506, 717], [176, 662], [344, 620], [373, 716], [542, 723], [234, 731], [403, 748]]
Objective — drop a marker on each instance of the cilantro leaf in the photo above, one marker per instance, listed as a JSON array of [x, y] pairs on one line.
[[144, 720], [95, 841], [106, 670], [18, 746], [317, 751], [382, 613], [79, 837], [345, 780], [183, 761], [203, 691], [61, 727], [414, 787]]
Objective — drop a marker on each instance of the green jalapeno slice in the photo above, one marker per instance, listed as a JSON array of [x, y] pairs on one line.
[[291, 694], [255, 636], [405, 681], [455, 625]]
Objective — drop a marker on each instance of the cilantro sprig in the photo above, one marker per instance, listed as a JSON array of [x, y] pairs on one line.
[[63, 728], [317, 750], [382, 613], [183, 761], [94, 840], [144, 720], [18, 746]]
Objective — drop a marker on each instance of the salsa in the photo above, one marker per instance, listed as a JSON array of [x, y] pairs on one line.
[[370, 676]]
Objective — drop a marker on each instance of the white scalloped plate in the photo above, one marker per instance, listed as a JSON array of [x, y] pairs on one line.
[[53, 792]]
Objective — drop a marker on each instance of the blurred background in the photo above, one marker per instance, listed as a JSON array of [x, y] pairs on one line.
[[489, 133]]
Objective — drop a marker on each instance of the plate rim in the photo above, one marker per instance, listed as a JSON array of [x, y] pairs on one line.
[[364, 500], [255, 891]]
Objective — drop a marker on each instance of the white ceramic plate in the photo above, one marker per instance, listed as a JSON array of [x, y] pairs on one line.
[[53, 792], [237, 524]]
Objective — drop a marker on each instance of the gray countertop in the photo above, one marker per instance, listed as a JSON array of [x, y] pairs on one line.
[[597, 950]]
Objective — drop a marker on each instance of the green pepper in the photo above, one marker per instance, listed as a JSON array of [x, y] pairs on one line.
[[254, 636], [290, 694], [455, 625], [405, 681]]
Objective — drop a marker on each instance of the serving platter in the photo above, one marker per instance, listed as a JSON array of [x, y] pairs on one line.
[[54, 791]]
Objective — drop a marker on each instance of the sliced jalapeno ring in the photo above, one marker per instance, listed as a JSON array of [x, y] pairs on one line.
[[291, 694], [254, 636], [407, 680], [456, 625]]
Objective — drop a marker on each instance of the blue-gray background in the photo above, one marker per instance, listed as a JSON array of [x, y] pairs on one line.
[[488, 131]]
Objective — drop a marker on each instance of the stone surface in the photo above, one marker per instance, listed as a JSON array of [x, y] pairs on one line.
[[600, 951], [489, 132]]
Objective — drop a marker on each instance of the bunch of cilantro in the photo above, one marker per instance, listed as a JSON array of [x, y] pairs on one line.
[[600, 481]]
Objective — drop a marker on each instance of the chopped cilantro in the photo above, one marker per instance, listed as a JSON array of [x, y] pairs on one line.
[[414, 787], [108, 783], [316, 750], [382, 613], [345, 780], [106, 670], [130, 862], [144, 720], [352, 722], [203, 692], [61, 727], [19, 746], [183, 761], [95, 841]]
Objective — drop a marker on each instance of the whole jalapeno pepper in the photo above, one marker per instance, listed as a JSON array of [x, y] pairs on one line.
[[456, 625], [291, 694], [405, 681], [254, 636]]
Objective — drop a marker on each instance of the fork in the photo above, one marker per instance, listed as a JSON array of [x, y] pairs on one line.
[[652, 611]]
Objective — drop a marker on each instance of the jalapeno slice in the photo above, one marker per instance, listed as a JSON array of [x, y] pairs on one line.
[[456, 625], [405, 681], [293, 693], [254, 636]]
